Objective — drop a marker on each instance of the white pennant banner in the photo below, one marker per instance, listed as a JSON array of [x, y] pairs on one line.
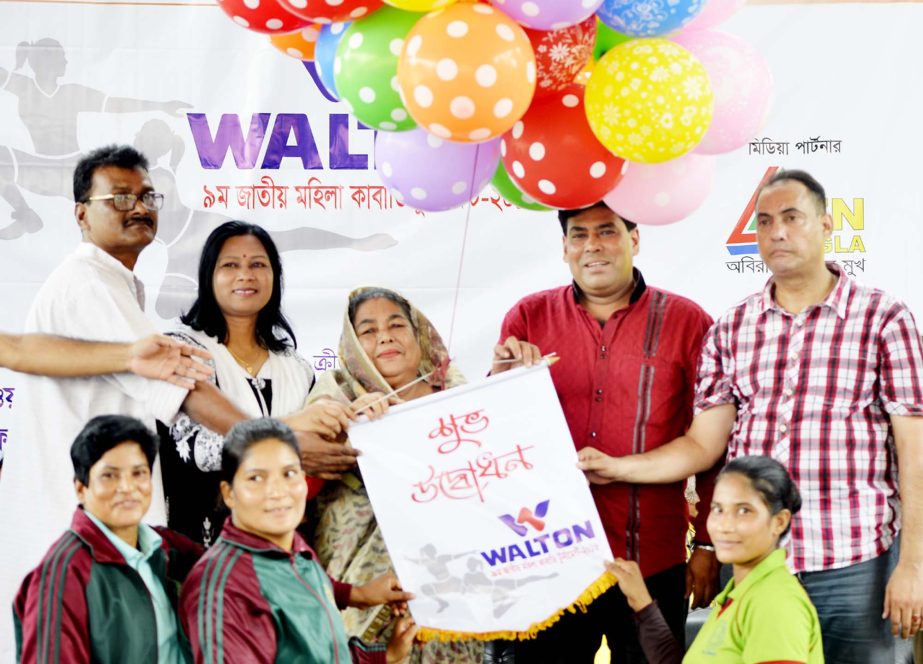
[[485, 514]]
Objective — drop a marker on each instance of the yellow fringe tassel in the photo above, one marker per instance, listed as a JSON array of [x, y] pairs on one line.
[[595, 589]]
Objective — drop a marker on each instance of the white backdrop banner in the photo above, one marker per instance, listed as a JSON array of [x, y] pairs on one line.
[[478, 496], [236, 129]]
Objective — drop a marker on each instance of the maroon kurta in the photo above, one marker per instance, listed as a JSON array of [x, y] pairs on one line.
[[625, 388]]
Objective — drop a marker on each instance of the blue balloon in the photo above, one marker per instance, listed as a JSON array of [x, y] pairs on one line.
[[325, 51], [648, 18]]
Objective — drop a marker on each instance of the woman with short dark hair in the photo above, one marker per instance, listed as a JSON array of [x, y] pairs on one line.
[[106, 591]]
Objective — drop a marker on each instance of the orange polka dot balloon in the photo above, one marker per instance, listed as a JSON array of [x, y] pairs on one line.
[[299, 44], [467, 72]]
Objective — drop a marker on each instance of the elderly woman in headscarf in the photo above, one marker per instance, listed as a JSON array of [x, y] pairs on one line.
[[386, 346]]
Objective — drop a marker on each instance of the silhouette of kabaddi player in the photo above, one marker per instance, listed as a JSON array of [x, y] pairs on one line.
[[476, 581], [49, 111], [437, 564], [183, 230], [473, 581]]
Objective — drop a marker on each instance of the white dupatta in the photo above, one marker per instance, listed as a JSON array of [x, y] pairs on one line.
[[291, 378]]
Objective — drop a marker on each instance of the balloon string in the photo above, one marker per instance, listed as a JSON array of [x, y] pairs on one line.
[[461, 257]]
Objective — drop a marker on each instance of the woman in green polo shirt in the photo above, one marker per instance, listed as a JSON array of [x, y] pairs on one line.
[[763, 615]]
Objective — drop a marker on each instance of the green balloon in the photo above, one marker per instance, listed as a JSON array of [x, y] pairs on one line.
[[508, 189], [607, 38], [365, 68]]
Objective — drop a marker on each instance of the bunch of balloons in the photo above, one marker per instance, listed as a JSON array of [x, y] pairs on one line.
[[557, 103]]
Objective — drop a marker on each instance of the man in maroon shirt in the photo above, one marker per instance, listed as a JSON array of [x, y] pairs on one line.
[[626, 382]]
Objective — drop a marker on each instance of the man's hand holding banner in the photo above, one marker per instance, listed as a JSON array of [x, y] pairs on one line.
[[486, 516]]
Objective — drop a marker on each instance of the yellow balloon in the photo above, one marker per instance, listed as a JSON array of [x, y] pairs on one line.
[[649, 100], [419, 5]]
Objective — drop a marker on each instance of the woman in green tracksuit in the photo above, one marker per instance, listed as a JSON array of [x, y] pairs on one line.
[[259, 594]]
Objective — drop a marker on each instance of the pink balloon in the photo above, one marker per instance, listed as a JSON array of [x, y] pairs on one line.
[[547, 14], [742, 82], [659, 194], [713, 13]]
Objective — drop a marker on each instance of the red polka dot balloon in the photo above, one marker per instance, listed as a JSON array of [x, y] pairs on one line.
[[331, 11], [262, 16], [553, 156]]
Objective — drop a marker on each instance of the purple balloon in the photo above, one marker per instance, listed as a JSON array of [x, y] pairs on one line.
[[547, 14], [430, 173]]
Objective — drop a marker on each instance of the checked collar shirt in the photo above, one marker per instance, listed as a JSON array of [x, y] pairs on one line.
[[816, 392]]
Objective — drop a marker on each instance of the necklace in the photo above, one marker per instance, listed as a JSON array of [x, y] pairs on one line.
[[246, 365]]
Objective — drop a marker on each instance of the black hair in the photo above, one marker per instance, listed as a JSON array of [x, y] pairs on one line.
[[104, 432], [245, 435], [120, 156], [770, 479], [815, 188], [375, 293], [205, 315], [564, 215]]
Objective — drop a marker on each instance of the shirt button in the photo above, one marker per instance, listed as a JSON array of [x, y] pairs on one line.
[[793, 357], [592, 434], [783, 428], [599, 390], [788, 392], [799, 322], [599, 399]]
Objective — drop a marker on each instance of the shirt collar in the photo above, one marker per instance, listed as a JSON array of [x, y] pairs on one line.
[[770, 563], [149, 542], [636, 294], [837, 299], [94, 253], [241, 538]]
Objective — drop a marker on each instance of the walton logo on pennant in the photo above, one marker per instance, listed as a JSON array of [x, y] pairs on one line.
[[527, 516]]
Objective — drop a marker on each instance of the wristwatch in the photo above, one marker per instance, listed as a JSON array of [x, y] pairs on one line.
[[703, 546]]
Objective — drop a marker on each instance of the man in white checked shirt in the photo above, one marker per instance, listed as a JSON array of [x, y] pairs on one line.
[[826, 376]]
